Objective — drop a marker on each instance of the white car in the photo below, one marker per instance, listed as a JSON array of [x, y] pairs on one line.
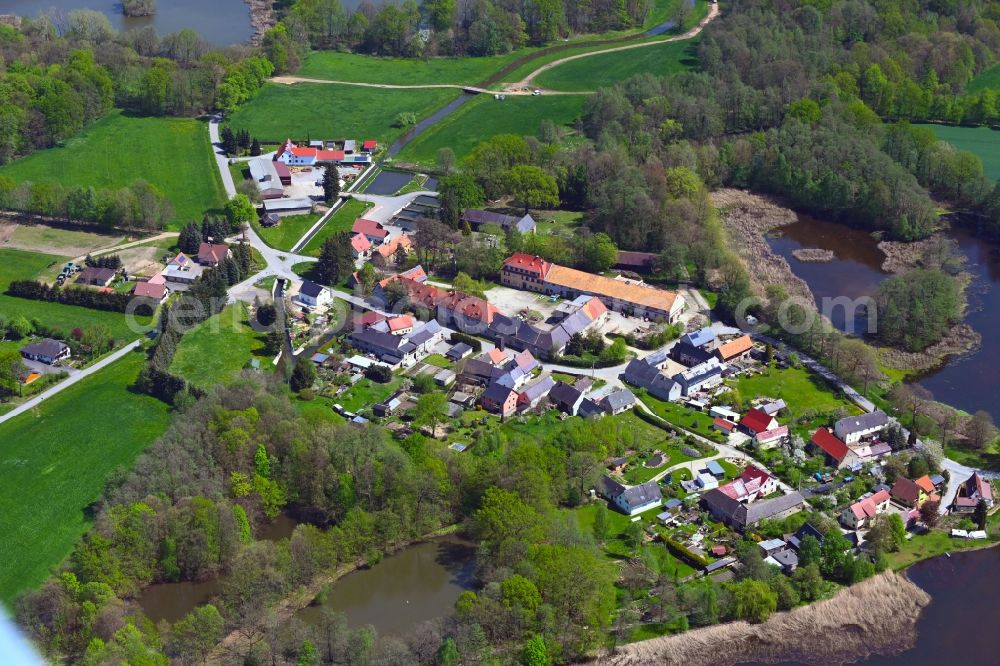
[[536, 92]]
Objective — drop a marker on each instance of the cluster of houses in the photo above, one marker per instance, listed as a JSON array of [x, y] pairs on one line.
[[695, 364], [180, 272], [533, 273], [854, 440], [752, 497], [371, 239]]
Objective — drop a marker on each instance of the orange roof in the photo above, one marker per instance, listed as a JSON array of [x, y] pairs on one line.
[[390, 248], [641, 295], [497, 356], [594, 308], [31, 377], [471, 307], [735, 347], [360, 242], [329, 155], [401, 322], [925, 484], [526, 262]]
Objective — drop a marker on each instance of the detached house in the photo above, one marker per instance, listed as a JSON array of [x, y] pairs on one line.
[[973, 490], [757, 421], [908, 493], [836, 452], [853, 428], [212, 254], [631, 501], [374, 231], [566, 398], [860, 514], [314, 295], [293, 155], [479, 218], [47, 351], [500, 399], [97, 277]]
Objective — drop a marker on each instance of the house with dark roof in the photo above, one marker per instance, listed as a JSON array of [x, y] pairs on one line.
[[458, 352], [499, 399], [908, 493], [314, 295], [479, 218], [703, 338], [973, 490], [531, 395], [478, 372], [566, 398], [688, 354], [95, 276], [852, 429], [47, 351], [388, 348], [617, 402], [634, 500], [212, 254], [795, 540], [646, 373], [701, 377], [740, 515]]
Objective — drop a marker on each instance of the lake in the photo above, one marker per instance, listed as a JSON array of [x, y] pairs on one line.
[[416, 584], [967, 382], [960, 625], [219, 22]]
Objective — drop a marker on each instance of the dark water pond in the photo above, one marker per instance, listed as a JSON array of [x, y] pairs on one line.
[[388, 182], [220, 22], [968, 382], [961, 624], [418, 583]]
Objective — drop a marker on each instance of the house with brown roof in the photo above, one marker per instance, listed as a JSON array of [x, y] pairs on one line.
[[640, 262], [374, 231], [737, 349], [154, 291], [908, 493], [973, 490], [95, 276], [212, 254]]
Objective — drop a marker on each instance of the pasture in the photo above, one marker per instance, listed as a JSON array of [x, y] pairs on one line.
[[54, 461], [173, 154], [484, 117], [988, 78], [218, 348], [981, 141], [591, 73], [324, 110], [336, 66]]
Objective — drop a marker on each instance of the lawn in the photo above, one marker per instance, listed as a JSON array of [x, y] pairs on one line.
[[342, 220], [287, 232], [679, 415], [588, 74], [54, 462], [485, 117], [21, 265], [336, 66], [801, 390], [63, 242], [557, 221], [367, 394], [937, 542], [982, 141], [173, 154], [989, 78], [615, 547], [217, 348], [314, 110], [438, 360]]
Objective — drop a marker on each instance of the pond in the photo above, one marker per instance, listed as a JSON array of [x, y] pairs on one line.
[[219, 22], [967, 382], [416, 584], [388, 182]]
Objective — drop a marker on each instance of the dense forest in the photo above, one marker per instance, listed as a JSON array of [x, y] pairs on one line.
[[449, 27], [57, 76]]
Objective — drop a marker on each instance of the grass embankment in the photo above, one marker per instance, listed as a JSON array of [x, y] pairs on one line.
[[981, 141], [360, 68], [287, 232], [53, 463], [485, 117], [21, 265], [326, 110], [218, 348], [588, 74], [174, 154], [342, 220], [876, 616]]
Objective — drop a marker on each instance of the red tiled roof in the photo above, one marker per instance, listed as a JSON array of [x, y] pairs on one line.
[[757, 420], [725, 425], [752, 473], [868, 507], [360, 242], [371, 317], [156, 290], [369, 144], [369, 228], [526, 262], [636, 259], [497, 355], [400, 322], [471, 307], [329, 155], [212, 252], [832, 446], [594, 308]]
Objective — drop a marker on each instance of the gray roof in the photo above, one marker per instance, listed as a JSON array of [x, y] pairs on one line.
[[423, 333], [697, 353], [720, 564], [299, 203], [715, 468], [590, 408], [642, 494], [622, 399], [384, 342], [539, 389], [773, 407], [47, 347], [743, 515], [459, 350], [787, 558], [497, 392], [564, 394], [479, 217], [700, 337], [700, 372], [311, 289], [852, 424], [264, 173]]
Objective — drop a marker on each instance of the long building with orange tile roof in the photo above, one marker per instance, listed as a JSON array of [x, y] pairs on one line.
[[523, 271]]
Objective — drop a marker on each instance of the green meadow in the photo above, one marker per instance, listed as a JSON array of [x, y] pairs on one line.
[[981, 141]]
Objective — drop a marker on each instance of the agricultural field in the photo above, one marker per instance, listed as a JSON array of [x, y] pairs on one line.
[[54, 461], [335, 66], [330, 110], [173, 154], [342, 220], [53, 240], [218, 348], [589, 74], [22, 265], [287, 232], [982, 141], [484, 117]]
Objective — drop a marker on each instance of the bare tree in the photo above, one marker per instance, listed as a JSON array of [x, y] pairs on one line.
[[980, 430]]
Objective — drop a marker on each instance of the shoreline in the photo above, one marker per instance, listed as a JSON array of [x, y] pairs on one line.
[[875, 617], [262, 18]]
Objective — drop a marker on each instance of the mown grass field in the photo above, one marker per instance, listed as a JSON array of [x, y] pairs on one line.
[[53, 463], [22, 265], [588, 74], [989, 78], [331, 111], [218, 348], [173, 154], [982, 141], [287, 232], [485, 117], [336, 66], [342, 220]]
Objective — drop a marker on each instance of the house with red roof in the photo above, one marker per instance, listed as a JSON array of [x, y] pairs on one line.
[[155, 291], [524, 271], [369, 146], [373, 230], [973, 490], [836, 452], [360, 246], [757, 421], [400, 325], [860, 514], [293, 155], [212, 254]]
